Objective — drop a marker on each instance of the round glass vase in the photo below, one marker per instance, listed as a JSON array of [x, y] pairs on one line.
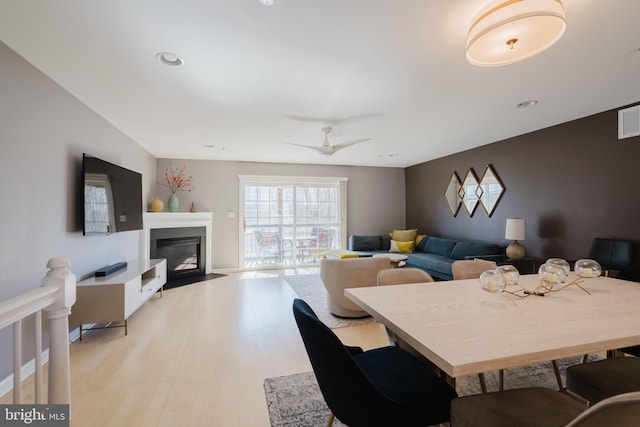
[[561, 263], [510, 273], [587, 268], [492, 281], [173, 203], [552, 274]]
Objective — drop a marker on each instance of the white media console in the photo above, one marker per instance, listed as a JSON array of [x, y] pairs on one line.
[[115, 297]]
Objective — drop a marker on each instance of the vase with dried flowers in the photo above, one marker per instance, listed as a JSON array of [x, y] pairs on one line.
[[176, 179]]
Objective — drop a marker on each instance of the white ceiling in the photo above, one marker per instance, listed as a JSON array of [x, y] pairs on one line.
[[254, 76]]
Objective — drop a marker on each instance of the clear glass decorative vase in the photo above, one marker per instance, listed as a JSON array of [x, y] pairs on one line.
[[552, 273], [510, 273], [587, 268], [493, 281]]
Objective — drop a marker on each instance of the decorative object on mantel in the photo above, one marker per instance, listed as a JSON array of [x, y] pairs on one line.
[[156, 205], [193, 207], [174, 203], [515, 230], [176, 179]]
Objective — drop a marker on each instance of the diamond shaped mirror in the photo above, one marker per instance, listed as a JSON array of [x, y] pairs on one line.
[[452, 194], [490, 190], [469, 192]]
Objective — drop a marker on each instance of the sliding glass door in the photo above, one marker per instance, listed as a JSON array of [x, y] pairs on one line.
[[289, 222]]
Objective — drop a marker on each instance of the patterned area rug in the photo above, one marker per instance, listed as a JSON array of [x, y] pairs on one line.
[[309, 287], [295, 400]]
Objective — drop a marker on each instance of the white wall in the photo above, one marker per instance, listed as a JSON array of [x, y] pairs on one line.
[[43, 132], [376, 197]]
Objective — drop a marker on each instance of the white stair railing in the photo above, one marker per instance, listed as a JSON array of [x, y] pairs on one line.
[[56, 295]]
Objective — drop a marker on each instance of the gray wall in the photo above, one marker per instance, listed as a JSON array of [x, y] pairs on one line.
[[43, 132], [376, 197], [571, 182]]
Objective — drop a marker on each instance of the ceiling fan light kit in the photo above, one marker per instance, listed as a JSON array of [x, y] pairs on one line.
[[508, 31], [326, 149]]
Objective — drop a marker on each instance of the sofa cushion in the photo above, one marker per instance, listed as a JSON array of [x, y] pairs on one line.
[[421, 244], [431, 262], [461, 250], [385, 243], [404, 235], [439, 246], [402, 247], [365, 243]]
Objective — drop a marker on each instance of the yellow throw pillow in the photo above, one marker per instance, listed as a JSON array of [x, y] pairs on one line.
[[401, 247], [419, 237], [404, 235]]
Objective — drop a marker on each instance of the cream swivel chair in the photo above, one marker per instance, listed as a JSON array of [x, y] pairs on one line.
[[340, 274]]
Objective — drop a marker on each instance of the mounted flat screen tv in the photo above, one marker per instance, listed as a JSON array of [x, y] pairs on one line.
[[112, 197]]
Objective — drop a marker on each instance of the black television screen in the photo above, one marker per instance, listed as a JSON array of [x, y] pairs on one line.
[[112, 197]]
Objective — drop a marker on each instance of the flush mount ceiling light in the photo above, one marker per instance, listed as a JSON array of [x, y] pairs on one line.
[[508, 31], [267, 2], [170, 59]]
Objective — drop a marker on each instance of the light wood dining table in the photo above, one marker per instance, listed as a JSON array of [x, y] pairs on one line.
[[465, 330]]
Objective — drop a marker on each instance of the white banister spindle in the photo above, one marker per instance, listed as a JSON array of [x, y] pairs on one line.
[[38, 373], [17, 361], [58, 315]]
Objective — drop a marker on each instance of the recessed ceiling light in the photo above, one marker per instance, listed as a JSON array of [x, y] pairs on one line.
[[170, 59], [526, 104], [267, 2], [209, 145]]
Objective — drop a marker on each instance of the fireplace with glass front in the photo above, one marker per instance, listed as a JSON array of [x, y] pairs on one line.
[[184, 250]]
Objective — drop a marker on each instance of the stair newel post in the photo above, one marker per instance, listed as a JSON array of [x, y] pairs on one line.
[[57, 313]]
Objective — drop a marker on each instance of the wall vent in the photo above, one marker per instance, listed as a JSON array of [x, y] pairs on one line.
[[629, 122]]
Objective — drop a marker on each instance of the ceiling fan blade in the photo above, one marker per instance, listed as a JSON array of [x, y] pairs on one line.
[[313, 147], [348, 143]]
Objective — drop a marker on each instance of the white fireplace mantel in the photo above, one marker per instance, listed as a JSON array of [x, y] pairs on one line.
[[153, 220]]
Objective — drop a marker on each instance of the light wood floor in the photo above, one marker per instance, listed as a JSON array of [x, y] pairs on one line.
[[197, 357]]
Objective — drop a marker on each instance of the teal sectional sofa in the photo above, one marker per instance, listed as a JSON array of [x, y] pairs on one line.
[[432, 254]]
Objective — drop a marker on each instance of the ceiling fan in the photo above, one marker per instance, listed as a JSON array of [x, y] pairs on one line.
[[327, 149]]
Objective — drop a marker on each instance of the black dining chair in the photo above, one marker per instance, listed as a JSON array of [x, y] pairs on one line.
[[632, 274], [380, 387], [611, 254], [541, 407]]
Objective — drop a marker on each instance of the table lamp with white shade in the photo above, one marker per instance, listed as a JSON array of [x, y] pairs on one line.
[[515, 230]]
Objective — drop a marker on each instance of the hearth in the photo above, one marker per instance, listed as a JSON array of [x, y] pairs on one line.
[[184, 249]]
